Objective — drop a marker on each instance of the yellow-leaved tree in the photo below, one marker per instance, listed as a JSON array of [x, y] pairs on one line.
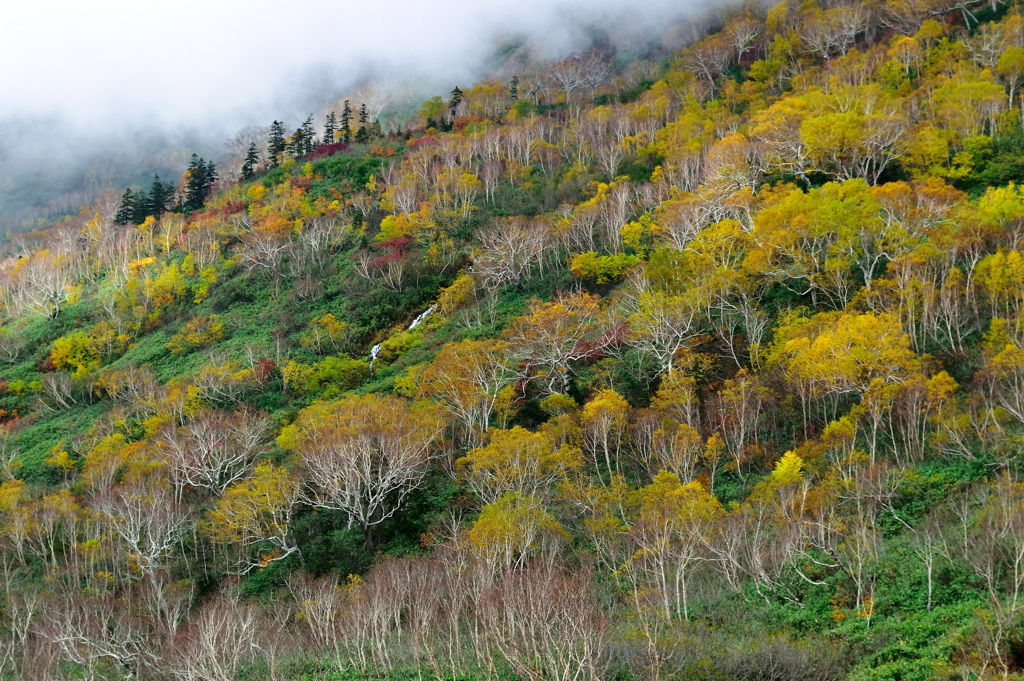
[[197, 333], [364, 453], [517, 461], [674, 523], [836, 354], [467, 379], [512, 529], [256, 513]]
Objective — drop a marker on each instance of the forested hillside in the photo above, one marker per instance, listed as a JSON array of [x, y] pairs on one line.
[[704, 363]]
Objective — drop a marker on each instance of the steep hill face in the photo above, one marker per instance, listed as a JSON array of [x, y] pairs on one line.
[[709, 367]]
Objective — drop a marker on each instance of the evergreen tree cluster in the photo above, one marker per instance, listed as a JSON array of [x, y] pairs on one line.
[[136, 206], [276, 144], [303, 140], [201, 177]]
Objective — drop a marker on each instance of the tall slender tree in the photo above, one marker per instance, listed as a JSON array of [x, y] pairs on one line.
[[209, 178], [308, 135], [346, 123], [126, 211], [252, 158], [276, 145], [329, 127], [201, 177], [453, 103], [363, 135], [297, 142], [160, 197]]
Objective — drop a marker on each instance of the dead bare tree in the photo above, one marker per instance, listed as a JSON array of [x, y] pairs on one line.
[[545, 623], [509, 250], [221, 638], [710, 58], [59, 391], [744, 34], [144, 516], [568, 74], [595, 67], [96, 632], [212, 450], [320, 602]]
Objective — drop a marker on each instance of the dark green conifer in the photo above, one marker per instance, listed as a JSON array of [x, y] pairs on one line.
[[308, 135], [346, 123], [209, 178], [252, 157], [276, 144], [453, 103], [160, 196], [329, 126], [295, 143], [201, 177], [126, 211]]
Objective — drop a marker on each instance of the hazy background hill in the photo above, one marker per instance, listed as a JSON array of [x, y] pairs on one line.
[[107, 103]]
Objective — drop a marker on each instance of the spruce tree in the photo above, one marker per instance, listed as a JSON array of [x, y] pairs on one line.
[[194, 183], [276, 144], [126, 211], [364, 117], [252, 157], [308, 135], [363, 135], [303, 139], [143, 207], [346, 123], [152, 204], [310, 132], [201, 176], [209, 178], [453, 103], [329, 125], [160, 195], [513, 89], [295, 145]]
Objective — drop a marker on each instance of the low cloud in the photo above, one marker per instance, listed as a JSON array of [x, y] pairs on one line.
[[124, 79]]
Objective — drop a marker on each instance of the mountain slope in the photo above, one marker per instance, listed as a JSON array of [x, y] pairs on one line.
[[702, 368]]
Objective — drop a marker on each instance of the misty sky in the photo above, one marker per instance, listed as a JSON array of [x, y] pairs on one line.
[[190, 61]]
